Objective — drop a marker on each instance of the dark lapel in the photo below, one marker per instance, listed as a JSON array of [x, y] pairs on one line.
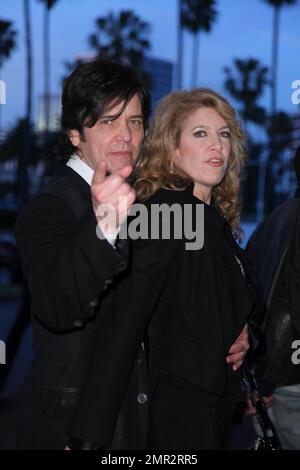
[[225, 245], [74, 179]]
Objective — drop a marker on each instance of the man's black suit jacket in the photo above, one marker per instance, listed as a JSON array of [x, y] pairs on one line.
[[71, 275]]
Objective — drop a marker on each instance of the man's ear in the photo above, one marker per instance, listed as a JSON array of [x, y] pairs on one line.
[[74, 137]]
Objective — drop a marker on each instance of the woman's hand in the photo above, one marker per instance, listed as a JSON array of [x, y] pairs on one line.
[[238, 349]]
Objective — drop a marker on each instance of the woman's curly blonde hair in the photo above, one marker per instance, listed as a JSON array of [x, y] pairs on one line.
[[158, 166]]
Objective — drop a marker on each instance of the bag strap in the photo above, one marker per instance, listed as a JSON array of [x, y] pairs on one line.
[[256, 397]]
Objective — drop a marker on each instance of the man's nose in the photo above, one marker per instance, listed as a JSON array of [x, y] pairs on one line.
[[123, 132]]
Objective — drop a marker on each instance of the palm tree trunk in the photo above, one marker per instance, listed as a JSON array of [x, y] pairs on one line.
[[273, 153], [46, 65], [179, 48], [195, 60], [28, 61], [274, 59], [0, 111], [22, 172], [2, 101], [46, 86]]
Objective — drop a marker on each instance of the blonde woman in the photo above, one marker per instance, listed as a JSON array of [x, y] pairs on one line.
[[193, 301]]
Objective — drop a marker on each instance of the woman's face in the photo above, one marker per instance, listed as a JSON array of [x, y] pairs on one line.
[[204, 149]]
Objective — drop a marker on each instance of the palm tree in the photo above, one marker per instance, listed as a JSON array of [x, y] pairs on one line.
[[12, 145], [72, 65], [281, 126], [28, 42], [7, 45], [277, 5], [49, 4], [26, 129], [7, 40], [197, 16], [121, 36], [246, 82], [179, 46]]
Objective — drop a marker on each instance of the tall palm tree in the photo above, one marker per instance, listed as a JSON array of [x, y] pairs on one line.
[[72, 65], [7, 40], [121, 36], [48, 5], [26, 128], [179, 46], [197, 16], [277, 5], [7, 45], [28, 43], [246, 82]]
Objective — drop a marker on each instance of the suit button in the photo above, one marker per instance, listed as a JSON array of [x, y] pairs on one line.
[[107, 282], [122, 265], [140, 361], [93, 303], [142, 398], [78, 323]]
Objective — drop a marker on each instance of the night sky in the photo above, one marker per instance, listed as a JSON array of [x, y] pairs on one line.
[[243, 29]]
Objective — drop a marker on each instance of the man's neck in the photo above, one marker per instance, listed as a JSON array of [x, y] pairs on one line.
[[81, 168]]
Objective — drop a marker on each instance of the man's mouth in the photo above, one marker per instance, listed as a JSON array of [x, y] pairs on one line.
[[121, 153]]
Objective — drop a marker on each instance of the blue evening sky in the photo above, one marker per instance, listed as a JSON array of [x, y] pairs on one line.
[[243, 29]]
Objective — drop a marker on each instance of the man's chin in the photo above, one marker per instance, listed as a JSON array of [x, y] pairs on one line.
[[115, 166]]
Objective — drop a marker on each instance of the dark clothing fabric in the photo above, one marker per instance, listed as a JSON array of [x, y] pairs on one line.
[[184, 416], [195, 303], [274, 250], [71, 275]]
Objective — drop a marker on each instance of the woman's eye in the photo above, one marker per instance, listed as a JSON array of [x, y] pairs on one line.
[[200, 134], [225, 134]]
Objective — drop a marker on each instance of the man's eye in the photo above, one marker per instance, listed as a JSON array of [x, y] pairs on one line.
[[106, 122], [200, 134], [136, 122]]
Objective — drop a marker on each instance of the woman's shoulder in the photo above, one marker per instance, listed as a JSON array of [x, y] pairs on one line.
[[170, 197]]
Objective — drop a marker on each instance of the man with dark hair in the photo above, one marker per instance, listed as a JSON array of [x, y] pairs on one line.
[[70, 270], [72, 257], [274, 250]]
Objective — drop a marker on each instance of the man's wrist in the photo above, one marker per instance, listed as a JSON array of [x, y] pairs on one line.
[[109, 235]]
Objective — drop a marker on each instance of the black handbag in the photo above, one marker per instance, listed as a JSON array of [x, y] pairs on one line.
[[269, 439]]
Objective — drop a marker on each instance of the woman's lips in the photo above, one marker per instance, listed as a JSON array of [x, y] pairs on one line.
[[215, 162]]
